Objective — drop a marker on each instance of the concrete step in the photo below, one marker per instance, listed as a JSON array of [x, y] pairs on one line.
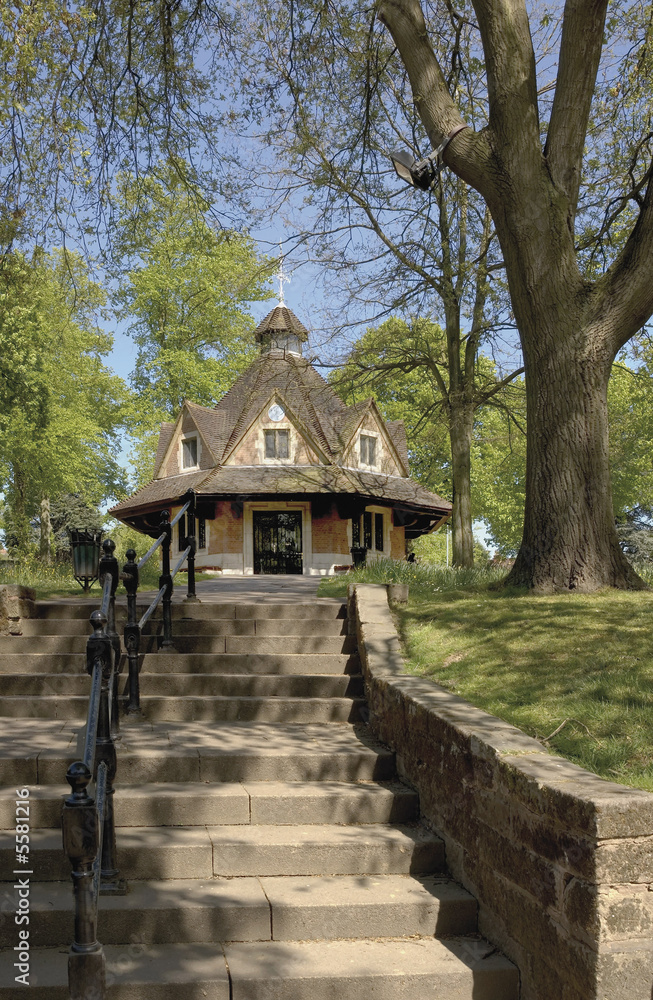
[[241, 685], [421, 969], [202, 708], [325, 850], [49, 644], [203, 852], [38, 752], [317, 610], [31, 627], [259, 803], [251, 909], [203, 663], [458, 969]]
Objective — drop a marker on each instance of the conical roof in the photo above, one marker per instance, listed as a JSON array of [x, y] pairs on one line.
[[280, 320]]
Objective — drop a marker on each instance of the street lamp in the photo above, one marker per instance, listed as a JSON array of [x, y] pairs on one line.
[[422, 173], [85, 546]]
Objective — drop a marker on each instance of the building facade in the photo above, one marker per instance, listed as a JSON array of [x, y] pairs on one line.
[[284, 476]]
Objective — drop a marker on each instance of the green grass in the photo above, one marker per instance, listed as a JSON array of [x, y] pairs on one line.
[[57, 580], [576, 663], [422, 578]]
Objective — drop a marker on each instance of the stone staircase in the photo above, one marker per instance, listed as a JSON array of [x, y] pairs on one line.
[[270, 850]]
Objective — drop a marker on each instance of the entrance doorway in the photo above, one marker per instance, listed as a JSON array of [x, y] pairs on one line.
[[277, 541]]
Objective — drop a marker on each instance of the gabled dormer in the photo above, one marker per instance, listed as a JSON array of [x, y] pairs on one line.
[[277, 435], [185, 445], [367, 444]]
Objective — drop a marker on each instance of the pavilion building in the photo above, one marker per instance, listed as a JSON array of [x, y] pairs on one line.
[[285, 477]]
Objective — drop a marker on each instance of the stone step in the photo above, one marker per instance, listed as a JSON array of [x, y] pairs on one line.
[[250, 909], [38, 752], [204, 852], [201, 708], [32, 627], [56, 644], [251, 802], [314, 611], [422, 968], [185, 663], [241, 685]]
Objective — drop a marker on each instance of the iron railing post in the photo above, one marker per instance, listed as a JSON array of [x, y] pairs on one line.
[[86, 964], [109, 564], [191, 598], [165, 580], [100, 647], [132, 632]]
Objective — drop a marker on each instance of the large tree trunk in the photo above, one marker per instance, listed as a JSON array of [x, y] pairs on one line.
[[461, 424], [569, 540]]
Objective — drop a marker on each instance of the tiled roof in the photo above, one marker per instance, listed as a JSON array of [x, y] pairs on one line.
[[165, 435], [161, 491], [397, 431], [253, 480], [312, 400], [279, 319]]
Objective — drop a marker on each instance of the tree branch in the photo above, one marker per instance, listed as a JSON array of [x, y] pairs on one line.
[[511, 77], [580, 53], [626, 289], [467, 154]]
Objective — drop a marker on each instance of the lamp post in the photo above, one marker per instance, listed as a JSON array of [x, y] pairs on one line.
[[85, 547]]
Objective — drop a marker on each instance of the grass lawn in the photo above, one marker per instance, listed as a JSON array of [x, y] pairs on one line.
[[57, 580], [575, 671]]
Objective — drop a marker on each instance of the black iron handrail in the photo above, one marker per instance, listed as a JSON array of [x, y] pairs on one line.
[[89, 838], [131, 576]]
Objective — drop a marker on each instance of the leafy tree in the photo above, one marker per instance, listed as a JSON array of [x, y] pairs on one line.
[[438, 380], [60, 406], [95, 87], [571, 328], [184, 288], [578, 272]]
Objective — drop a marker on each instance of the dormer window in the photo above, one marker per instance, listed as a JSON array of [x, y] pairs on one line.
[[277, 443], [189, 453], [368, 450]]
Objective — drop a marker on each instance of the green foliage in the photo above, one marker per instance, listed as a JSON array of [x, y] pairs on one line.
[[60, 406], [184, 288], [93, 88], [71, 512], [423, 578]]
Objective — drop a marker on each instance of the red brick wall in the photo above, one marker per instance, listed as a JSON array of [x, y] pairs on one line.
[[330, 533], [397, 542], [226, 532]]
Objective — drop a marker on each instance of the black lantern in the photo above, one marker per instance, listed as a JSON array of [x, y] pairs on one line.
[[85, 546]]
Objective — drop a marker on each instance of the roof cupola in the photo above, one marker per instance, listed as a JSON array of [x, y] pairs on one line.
[[281, 331]]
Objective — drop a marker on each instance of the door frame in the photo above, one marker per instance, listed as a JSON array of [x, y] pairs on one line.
[[270, 505]]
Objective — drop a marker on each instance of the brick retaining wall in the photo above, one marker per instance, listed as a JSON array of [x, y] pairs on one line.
[[561, 862]]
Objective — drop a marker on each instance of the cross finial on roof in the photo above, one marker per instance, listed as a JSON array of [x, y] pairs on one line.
[[283, 278]]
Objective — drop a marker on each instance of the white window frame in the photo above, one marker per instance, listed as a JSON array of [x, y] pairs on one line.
[[377, 450], [277, 427], [198, 446]]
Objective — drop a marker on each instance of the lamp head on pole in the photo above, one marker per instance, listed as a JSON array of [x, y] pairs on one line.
[[422, 173]]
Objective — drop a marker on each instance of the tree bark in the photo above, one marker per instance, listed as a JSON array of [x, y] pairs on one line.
[[569, 541], [461, 424], [45, 553]]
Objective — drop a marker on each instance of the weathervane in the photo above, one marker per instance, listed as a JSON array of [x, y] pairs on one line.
[[282, 277]]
